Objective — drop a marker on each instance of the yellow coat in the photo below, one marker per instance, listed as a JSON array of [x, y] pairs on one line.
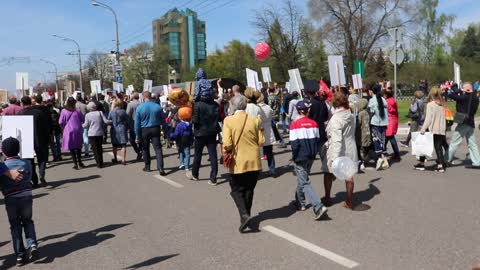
[[247, 156]]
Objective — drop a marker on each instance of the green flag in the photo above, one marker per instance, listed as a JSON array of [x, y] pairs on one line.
[[359, 68]]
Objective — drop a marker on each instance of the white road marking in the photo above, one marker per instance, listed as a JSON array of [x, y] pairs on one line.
[[313, 248], [168, 181]]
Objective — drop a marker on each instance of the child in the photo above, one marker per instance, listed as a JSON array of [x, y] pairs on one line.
[[18, 202], [305, 141], [183, 137]]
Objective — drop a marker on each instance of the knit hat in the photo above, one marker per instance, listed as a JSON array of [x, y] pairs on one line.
[[10, 147]]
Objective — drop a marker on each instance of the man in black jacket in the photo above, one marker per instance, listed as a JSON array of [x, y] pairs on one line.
[[41, 135], [467, 103], [318, 113], [205, 123]]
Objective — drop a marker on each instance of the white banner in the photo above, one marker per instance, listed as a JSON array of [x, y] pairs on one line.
[[266, 75], [456, 73], [96, 87], [252, 79], [22, 80], [21, 128], [147, 86], [357, 81], [118, 87], [336, 70], [296, 83]]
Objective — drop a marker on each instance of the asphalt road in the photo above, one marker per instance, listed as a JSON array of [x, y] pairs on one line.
[[122, 218]]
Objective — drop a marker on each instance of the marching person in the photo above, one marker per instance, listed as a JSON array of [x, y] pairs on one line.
[[341, 143], [467, 104], [94, 121], [392, 127], [131, 108], [120, 126], [266, 116], [242, 137], [305, 141], [416, 113], [149, 118], [71, 120], [378, 109], [80, 105]]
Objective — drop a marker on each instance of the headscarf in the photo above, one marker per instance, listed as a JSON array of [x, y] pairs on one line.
[[203, 89]]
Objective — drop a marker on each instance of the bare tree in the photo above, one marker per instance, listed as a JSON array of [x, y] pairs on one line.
[[353, 27], [99, 67]]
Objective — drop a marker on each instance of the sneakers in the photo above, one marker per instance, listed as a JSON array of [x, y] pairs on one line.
[[190, 176], [379, 164], [440, 169], [163, 173], [320, 213], [212, 183], [33, 252], [419, 167], [181, 166], [20, 260], [385, 164], [302, 208]]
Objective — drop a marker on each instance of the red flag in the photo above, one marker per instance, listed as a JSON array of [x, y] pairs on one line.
[[324, 88]]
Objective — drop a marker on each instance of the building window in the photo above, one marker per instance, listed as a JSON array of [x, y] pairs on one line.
[[174, 45], [201, 47]]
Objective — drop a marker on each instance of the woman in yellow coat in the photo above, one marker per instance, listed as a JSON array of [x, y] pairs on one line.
[[243, 137]]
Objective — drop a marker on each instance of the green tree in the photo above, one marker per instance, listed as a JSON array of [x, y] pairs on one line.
[[470, 46]]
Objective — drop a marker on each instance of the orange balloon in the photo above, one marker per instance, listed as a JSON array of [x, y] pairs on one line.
[[185, 113]]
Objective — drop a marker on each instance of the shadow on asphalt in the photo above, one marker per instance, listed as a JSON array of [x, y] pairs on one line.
[[4, 243], [56, 184], [50, 252], [151, 261], [36, 196], [359, 197], [281, 212]]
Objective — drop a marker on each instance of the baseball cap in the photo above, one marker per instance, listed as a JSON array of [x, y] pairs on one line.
[[302, 105]]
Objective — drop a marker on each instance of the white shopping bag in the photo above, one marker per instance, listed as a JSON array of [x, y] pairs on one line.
[[422, 145]]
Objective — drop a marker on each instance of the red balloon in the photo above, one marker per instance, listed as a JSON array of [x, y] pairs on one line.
[[262, 51]]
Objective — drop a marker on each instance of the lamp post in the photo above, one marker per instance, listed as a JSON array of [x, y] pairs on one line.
[[118, 72], [79, 57], [56, 73]]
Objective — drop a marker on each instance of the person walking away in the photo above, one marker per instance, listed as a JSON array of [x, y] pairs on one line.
[[467, 104], [362, 134], [41, 135], [292, 112], [286, 98], [275, 104], [183, 136], [341, 143], [318, 112], [94, 121], [435, 123], [149, 118], [131, 108], [266, 116], [12, 108], [417, 114], [56, 132], [106, 111], [120, 126], [205, 128], [392, 127], [80, 105], [242, 137], [18, 203], [305, 141], [378, 122], [71, 120]]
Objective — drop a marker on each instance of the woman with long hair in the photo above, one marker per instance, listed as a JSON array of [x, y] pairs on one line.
[[435, 123], [70, 121], [120, 125], [378, 109]]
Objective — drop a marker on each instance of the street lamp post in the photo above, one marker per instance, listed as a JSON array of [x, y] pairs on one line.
[[117, 41], [56, 72], [79, 57]]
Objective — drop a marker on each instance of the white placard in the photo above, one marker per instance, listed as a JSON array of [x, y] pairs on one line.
[[357, 81], [118, 87], [296, 83], [336, 70], [165, 90], [266, 75], [22, 80], [456, 73], [147, 86], [96, 87], [252, 79], [21, 128], [259, 85]]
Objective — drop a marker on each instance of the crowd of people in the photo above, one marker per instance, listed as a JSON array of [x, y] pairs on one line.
[[239, 128]]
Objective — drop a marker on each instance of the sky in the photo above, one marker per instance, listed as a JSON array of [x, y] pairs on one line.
[[27, 26]]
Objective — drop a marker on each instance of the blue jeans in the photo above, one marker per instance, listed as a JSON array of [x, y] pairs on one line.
[[184, 157], [284, 122], [211, 143], [56, 146], [467, 132], [268, 151], [85, 141], [304, 187], [19, 212], [393, 141]]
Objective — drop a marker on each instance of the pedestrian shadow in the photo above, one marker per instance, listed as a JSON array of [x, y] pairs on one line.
[[4, 243], [36, 196], [281, 212], [56, 184], [54, 236], [152, 261], [359, 197], [50, 252]]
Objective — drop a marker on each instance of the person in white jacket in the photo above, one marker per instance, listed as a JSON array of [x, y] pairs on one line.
[[266, 115]]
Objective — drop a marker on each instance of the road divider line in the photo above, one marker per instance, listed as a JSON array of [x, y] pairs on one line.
[[168, 181], [313, 248]]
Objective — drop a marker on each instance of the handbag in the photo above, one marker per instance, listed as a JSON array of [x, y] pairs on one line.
[[228, 157], [459, 117]]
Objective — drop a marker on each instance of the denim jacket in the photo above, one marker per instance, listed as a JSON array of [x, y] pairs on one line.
[[375, 118]]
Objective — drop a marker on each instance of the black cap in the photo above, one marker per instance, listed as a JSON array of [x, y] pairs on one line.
[[10, 147]]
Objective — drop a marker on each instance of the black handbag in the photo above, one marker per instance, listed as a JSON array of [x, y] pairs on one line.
[[459, 117]]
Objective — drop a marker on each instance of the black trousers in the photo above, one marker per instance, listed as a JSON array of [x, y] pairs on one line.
[[42, 158], [211, 143], [440, 144], [136, 147], [152, 135], [97, 148], [242, 190]]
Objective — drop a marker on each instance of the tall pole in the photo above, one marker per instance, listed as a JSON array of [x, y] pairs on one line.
[[56, 73], [79, 58], [118, 74], [395, 62]]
